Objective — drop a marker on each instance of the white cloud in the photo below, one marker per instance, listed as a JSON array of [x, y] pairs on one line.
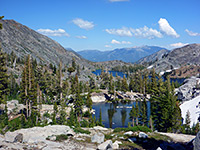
[[146, 32], [118, 42], [108, 46], [81, 37], [192, 33], [120, 32], [118, 0], [115, 42], [126, 42], [175, 45], [84, 24], [49, 32], [166, 28]]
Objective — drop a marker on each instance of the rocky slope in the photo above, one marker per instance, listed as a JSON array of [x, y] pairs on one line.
[[23, 40], [132, 54], [153, 57], [187, 55]]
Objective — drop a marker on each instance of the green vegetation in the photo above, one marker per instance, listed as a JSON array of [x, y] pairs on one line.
[[61, 137], [80, 130], [134, 129]]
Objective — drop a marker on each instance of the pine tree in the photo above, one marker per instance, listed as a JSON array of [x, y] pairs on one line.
[[187, 122], [89, 101], [3, 77], [143, 112], [133, 115], [100, 118], [28, 87], [124, 84], [78, 101]]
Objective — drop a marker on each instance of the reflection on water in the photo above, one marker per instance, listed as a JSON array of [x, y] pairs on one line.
[[116, 115]]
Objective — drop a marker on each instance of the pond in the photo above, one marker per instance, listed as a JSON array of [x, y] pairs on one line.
[[121, 74], [116, 115], [114, 73]]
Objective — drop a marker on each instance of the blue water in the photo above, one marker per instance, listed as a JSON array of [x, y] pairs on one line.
[[121, 74], [114, 73], [113, 116]]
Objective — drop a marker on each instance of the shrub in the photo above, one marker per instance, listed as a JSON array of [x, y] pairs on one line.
[[61, 137], [80, 130]]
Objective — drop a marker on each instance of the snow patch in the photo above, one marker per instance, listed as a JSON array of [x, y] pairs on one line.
[[194, 109]]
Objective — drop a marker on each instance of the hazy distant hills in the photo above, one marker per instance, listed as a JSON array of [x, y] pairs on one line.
[[186, 55], [125, 54]]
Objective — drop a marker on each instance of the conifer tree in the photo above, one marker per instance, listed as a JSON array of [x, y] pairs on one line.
[[124, 84], [3, 77], [187, 122], [143, 112], [133, 115]]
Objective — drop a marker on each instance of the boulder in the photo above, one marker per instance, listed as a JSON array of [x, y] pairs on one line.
[[143, 135], [116, 144], [128, 133], [106, 145], [196, 142], [159, 148], [19, 138], [98, 138], [37, 134], [188, 90]]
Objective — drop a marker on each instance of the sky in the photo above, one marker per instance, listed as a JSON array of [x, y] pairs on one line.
[[109, 24]]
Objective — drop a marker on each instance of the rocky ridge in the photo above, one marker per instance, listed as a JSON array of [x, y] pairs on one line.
[[186, 55]]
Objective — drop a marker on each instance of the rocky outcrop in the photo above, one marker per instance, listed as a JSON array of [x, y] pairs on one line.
[[178, 57], [196, 142], [189, 89], [98, 97], [153, 57]]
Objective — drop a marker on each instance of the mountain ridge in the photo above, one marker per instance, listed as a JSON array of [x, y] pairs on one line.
[[131, 54]]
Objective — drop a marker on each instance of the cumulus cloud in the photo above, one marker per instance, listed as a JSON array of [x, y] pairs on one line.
[[81, 37], [120, 32], [192, 33], [119, 0], [84, 24], [115, 42], [118, 42], [49, 32], [175, 45], [108, 46], [146, 32], [166, 28], [126, 42]]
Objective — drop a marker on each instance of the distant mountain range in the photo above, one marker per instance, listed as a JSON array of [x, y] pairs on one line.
[[132, 54]]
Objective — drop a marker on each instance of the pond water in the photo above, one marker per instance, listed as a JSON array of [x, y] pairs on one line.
[[116, 115], [121, 74], [114, 73]]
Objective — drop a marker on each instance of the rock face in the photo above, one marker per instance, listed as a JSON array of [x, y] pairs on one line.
[[23, 40], [106, 145], [143, 135], [37, 134], [153, 57], [98, 97], [196, 142], [97, 138], [188, 54], [13, 107], [189, 89]]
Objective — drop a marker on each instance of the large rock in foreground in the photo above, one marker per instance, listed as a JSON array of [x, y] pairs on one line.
[[37, 134]]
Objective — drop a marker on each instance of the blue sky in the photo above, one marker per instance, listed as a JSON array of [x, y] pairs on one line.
[[109, 24]]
